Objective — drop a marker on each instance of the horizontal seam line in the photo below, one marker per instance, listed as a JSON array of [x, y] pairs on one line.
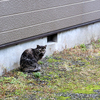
[[4, 1], [50, 22], [48, 8]]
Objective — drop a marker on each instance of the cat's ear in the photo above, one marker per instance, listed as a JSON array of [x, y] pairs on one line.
[[38, 46]]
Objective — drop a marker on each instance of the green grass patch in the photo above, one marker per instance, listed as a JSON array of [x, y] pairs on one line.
[[50, 60], [37, 74]]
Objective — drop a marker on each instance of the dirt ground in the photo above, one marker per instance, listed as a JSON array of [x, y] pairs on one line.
[[73, 74]]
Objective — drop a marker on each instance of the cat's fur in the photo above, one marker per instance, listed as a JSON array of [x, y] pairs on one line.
[[30, 57]]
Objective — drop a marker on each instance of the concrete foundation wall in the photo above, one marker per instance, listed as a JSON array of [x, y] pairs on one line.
[[10, 57]]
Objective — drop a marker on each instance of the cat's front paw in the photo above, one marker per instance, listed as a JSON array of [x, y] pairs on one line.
[[37, 69]]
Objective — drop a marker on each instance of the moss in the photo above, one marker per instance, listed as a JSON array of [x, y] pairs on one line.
[[46, 78], [50, 60], [89, 89]]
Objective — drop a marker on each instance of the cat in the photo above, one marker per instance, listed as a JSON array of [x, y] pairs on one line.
[[30, 57]]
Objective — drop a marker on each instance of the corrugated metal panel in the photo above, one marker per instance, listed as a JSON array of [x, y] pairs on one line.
[[21, 19]]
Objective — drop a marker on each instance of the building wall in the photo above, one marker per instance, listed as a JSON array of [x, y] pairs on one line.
[[10, 57], [20, 19]]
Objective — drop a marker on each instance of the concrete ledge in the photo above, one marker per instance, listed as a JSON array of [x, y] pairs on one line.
[[10, 57]]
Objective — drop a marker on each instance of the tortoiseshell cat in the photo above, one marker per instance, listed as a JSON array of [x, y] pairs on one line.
[[30, 57]]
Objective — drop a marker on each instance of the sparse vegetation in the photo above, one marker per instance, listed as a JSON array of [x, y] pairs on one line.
[[99, 40], [40, 62], [73, 74], [82, 46], [37, 74]]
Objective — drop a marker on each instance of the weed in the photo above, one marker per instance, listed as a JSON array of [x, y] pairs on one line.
[[40, 62], [99, 40], [82, 46], [37, 74]]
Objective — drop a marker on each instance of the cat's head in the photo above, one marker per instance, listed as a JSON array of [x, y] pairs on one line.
[[41, 49]]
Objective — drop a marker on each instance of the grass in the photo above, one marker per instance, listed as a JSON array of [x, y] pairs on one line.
[[37, 74], [71, 71]]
